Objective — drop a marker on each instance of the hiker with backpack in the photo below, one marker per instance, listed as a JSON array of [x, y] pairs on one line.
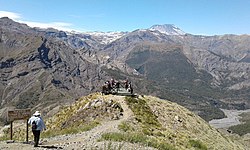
[[37, 125]]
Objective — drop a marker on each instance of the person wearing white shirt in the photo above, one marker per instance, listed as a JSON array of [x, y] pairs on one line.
[[38, 127]]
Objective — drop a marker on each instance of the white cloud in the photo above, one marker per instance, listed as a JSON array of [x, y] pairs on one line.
[[11, 15], [57, 25]]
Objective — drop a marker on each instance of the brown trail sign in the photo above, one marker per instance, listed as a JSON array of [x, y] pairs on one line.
[[19, 114]]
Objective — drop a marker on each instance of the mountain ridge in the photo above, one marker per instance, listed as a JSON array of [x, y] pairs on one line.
[[143, 122], [203, 73]]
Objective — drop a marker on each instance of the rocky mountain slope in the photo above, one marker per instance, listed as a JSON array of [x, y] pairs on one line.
[[47, 68], [186, 66], [118, 122], [39, 71]]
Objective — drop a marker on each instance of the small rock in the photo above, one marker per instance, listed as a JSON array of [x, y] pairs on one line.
[[10, 141], [98, 104], [110, 101], [87, 106], [115, 117]]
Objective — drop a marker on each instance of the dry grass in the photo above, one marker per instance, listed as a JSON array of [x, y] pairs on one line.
[[155, 123]]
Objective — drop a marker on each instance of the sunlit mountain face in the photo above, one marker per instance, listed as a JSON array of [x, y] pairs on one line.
[[47, 68]]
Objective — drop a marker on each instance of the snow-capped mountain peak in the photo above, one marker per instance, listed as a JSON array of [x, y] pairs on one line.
[[168, 29], [107, 37]]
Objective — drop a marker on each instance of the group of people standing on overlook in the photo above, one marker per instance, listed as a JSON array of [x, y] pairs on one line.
[[110, 87], [113, 86]]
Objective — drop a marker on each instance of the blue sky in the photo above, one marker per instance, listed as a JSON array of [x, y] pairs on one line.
[[206, 17]]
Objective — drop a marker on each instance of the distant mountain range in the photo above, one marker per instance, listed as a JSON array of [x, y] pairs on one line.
[[46, 68]]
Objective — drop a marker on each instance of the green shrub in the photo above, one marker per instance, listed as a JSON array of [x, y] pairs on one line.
[[70, 130], [125, 127], [198, 145], [144, 115], [142, 112], [137, 138], [241, 129], [110, 147]]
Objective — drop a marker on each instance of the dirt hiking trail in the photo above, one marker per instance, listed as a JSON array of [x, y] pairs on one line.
[[85, 140]]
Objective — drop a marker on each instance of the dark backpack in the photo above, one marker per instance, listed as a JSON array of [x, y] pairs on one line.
[[34, 125]]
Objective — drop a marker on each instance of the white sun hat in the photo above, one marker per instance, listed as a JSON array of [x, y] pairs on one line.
[[37, 113]]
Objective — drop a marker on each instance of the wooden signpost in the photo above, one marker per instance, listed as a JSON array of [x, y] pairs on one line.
[[19, 114]]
